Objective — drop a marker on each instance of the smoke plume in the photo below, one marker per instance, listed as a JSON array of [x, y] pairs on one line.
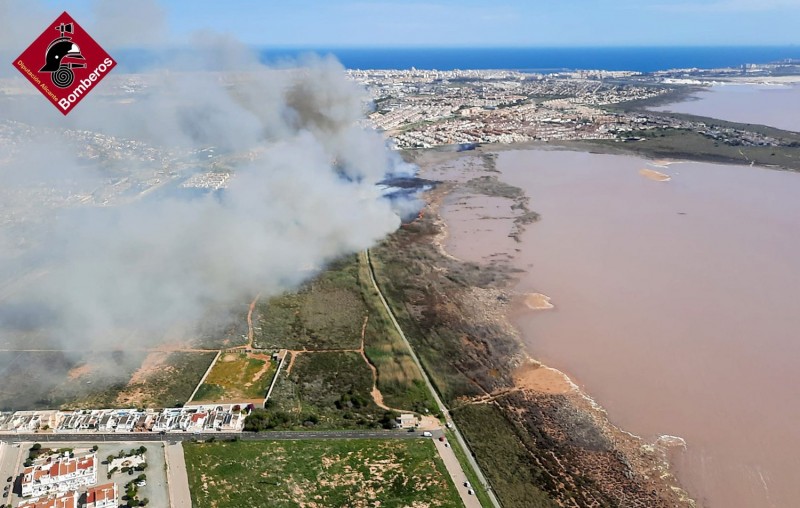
[[102, 247]]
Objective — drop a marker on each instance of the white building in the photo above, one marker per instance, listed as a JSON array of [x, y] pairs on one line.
[[61, 476], [406, 421]]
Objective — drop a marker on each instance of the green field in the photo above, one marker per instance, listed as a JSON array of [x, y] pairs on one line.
[[352, 473], [237, 377], [328, 390], [512, 471], [326, 313]]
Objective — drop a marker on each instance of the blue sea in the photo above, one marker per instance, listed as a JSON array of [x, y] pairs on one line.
[[643, 59]]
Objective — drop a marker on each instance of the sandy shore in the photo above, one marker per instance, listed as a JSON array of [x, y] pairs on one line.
[[532, 375]]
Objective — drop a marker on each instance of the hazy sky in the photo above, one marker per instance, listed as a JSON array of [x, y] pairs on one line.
[[331, 23]]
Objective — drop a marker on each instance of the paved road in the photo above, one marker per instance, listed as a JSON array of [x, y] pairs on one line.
[[434, 393], [10, 459], [456, 471], [177, 479]]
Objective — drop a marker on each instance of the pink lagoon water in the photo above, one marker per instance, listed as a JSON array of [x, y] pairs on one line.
[[676, 304], [773, 105]]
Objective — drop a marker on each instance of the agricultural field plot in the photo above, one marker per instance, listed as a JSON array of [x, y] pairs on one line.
[[162, 380], [355, 473], [48, 380], [237, 377], [327, 313], [325, 390]]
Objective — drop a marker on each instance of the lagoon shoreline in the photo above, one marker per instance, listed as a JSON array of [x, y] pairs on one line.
[[477, 232], [545, 390]]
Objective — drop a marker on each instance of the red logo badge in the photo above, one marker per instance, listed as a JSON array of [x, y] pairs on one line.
[[64, 63]]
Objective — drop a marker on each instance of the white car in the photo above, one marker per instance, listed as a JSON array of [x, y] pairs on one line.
[[427, 434]]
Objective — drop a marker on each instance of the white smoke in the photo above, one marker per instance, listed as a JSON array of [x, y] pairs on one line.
[[302, 193]]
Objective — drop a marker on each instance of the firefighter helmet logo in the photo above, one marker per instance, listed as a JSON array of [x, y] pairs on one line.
[[57, 55], [64, 66]]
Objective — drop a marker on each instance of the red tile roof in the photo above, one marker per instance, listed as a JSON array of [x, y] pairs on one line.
[[103, 492], [64, 501], [86, 462]]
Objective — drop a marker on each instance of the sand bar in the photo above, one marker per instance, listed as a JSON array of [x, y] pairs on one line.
[[538, 301], [652, 174]]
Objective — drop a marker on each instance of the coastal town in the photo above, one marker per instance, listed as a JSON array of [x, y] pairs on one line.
[[424, 109], [190, 418]]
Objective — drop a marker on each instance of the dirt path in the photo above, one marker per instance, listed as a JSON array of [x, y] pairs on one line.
[[250, 321], [377, 396], [291, 360], [250, 333]]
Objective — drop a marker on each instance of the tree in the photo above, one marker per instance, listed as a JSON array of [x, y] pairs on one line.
[[144, 502], [95, 448], [257, 421], [388, 419], [36, 447]]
